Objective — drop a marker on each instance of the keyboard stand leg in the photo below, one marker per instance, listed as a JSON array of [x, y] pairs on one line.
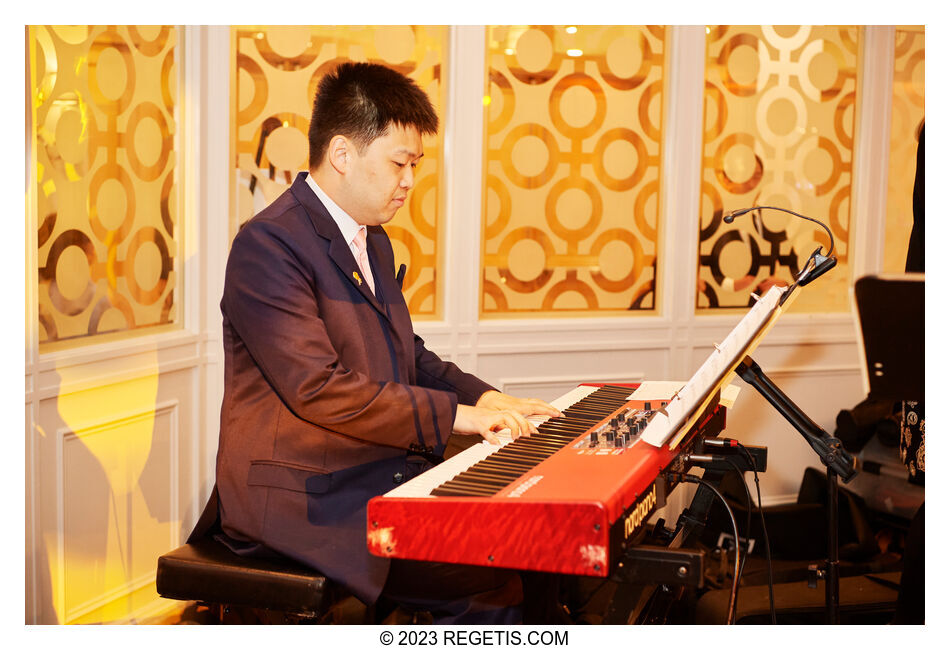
[[650, 588], [627, 603], [542, 604], [693, 520]]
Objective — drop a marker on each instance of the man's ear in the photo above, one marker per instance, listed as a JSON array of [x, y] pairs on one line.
[[339, 152]]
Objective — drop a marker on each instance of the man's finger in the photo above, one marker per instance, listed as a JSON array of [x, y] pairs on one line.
[[526, 427], [543, 408], [533, 406], [508, 422]]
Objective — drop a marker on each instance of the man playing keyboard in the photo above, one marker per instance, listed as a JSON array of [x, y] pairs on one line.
[[326, 385]]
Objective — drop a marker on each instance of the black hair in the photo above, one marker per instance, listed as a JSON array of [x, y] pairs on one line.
[[361, 101]]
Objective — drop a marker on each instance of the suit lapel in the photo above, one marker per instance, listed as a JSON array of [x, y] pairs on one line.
[[383, 277], [338, 251]]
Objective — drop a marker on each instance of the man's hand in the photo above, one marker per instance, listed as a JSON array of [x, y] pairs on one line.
[[475, 420], [500, 401]]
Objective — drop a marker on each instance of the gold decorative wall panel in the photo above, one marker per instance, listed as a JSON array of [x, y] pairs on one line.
[[573, 124], [103, 119], [778, 130], [907, 114], [276, 71]]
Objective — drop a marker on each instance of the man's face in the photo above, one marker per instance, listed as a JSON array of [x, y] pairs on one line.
[[378, 180]]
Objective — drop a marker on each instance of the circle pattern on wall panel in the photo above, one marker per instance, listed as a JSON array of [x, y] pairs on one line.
[[105, 178], [778, 130], [277, 73], [572, 169]]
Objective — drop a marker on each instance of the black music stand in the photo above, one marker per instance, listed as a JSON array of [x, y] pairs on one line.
[[891, 314], [839, 463], [831, 452]]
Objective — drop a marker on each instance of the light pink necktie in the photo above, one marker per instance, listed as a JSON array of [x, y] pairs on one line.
[[363, 259]]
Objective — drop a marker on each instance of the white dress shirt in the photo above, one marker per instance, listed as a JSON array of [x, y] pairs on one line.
[[344, 222]]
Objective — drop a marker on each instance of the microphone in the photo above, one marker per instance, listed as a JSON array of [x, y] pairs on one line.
[[731, 216], [400, 275], [822, 263]]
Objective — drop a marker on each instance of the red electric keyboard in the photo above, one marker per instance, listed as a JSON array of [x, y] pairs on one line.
[[569, 499]]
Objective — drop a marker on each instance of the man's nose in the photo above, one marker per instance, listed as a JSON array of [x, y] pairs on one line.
[[408, 178]]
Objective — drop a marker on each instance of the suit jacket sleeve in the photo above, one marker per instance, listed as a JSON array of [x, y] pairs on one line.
[[433, 372], [270, 299]]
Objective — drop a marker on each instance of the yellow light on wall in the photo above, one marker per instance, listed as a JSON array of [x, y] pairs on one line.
[[575, 52], [104, 177]]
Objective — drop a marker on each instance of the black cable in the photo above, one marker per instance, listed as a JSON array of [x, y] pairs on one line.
[[748, 519], [731, 613], [765, 532]]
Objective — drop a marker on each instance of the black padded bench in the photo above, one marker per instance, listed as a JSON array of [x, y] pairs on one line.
[[263, 589]]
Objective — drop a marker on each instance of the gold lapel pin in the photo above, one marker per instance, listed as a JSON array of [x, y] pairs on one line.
[[356, 276]]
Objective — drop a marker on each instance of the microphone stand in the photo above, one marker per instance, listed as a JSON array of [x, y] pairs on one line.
[[837, 460]]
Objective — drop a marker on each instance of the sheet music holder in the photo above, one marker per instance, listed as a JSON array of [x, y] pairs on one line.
[[890, 312], [732, 354], [670, 424]]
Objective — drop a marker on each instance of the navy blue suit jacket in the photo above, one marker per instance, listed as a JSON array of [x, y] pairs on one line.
[[326, 386]]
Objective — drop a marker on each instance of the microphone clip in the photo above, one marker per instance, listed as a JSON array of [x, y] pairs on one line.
[[816, 266]]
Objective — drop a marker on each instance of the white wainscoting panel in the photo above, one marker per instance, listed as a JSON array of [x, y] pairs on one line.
[[118, 480]]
